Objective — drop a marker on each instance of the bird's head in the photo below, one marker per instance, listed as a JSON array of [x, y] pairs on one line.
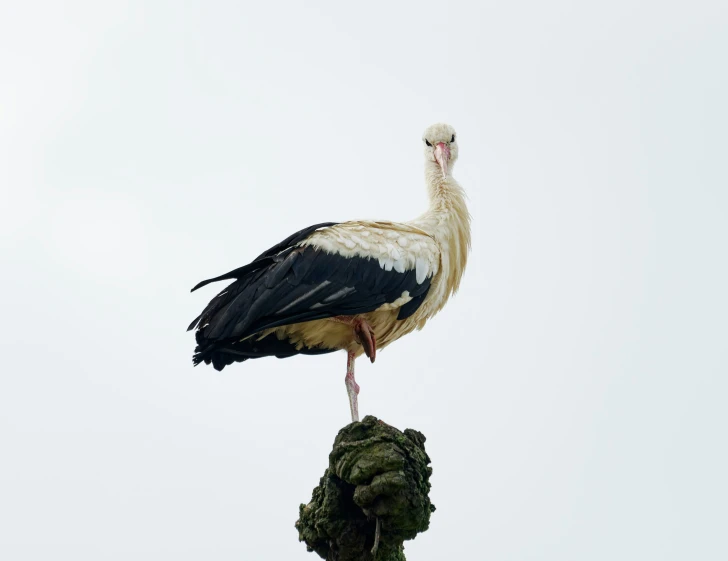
[[441, 148]]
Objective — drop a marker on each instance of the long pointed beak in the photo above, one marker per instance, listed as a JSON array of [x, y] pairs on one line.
[[442, 155]]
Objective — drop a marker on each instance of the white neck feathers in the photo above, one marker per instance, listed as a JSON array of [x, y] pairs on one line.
[[448, 221]]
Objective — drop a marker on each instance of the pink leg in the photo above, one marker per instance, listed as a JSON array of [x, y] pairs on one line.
[[364, 334], [352, 388]]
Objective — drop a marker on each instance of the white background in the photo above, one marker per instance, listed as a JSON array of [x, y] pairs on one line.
[[573, 393]]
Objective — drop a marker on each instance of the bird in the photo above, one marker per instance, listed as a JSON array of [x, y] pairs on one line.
[[352, 286]]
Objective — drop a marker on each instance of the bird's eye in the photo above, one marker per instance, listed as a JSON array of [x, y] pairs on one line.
[[427, 142], [452, 139]]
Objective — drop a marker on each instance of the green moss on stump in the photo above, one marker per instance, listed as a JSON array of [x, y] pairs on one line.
[[374, 471]]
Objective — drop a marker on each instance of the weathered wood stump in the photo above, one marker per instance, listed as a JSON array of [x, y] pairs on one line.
[[373, 496]]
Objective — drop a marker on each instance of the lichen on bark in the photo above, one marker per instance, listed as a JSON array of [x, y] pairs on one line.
[[375, 472]]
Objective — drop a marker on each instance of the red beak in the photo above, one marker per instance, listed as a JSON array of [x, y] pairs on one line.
[[442, 155]]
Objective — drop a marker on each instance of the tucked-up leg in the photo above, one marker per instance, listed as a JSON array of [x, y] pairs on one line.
[[363, 333], [352, 388], [365, 336]]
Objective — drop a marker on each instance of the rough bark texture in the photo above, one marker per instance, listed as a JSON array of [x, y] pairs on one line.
[[375, 471]]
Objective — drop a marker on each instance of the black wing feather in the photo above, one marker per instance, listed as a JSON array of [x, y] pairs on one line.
[[264, 258]]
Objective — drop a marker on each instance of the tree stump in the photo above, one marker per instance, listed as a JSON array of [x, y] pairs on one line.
[[372, 497]]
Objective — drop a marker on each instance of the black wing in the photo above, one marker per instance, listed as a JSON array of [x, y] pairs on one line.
[[264, 258], [289, 284]]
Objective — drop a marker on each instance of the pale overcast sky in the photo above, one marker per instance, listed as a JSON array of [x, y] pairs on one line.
[[573, 394]]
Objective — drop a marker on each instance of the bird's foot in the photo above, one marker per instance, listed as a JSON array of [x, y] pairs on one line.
[[364, 335]]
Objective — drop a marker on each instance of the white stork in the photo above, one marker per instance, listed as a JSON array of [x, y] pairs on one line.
[[353, 286]]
